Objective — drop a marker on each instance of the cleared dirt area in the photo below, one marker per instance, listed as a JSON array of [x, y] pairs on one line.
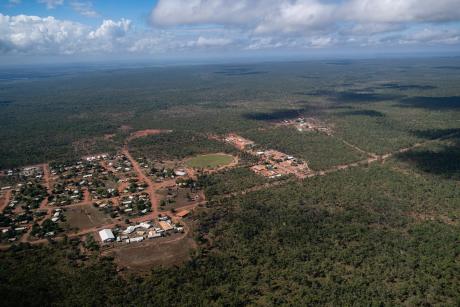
[[166, 251], [109, 136], [180, 198], [147, 132], [85, 216]]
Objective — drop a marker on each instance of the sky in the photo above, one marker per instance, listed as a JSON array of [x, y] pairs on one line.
[[130, 29]]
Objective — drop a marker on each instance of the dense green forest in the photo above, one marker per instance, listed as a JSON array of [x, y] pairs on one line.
[[62, 116], [228, 181], [383, 234], [176, 145]]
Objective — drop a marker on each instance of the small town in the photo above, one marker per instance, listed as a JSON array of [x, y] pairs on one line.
[[104, 200]]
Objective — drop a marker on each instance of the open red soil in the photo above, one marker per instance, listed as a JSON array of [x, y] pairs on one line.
[[164, 251], [4, 200], [147, 132]]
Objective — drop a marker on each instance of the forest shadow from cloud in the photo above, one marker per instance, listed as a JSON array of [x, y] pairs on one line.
[[443, 161]]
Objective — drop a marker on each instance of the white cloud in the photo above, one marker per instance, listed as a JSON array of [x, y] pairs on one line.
[[14, 2], [188, 25], [259, 43], [321, 42], [111, 29], [271, 24], [24, 34], [297, 16], [211, 42], [175, 12], [31, 33], [302, 15], [84, 8], [431, 36], [396, 11], [51, 4]]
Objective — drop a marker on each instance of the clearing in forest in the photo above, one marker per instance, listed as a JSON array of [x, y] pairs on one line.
[[147, 132]]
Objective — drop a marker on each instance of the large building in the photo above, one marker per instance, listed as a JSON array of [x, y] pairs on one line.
[[106, 235], [165, 225]]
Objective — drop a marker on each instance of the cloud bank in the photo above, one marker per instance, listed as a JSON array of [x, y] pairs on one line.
[[239, 25]]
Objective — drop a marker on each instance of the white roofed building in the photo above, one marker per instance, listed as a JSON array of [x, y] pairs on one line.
[[106, 235]]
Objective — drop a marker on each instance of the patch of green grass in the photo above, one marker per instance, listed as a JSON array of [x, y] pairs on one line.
[[209, 161]]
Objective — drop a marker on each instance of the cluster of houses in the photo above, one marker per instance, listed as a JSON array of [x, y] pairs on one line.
[[159, 171], [128, 206], [238, 141], [96, 157], [26, 172], [141, 231], [274, 164], [66, 193], [120, 164], [93, 174], [309, 124], [21, 210], [106, 182], [134, 205]]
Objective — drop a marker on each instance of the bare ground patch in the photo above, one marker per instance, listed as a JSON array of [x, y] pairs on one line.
[[146, 132], [84, 217], [140, 257]]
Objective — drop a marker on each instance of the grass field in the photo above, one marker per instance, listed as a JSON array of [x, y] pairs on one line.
[[209, 161]]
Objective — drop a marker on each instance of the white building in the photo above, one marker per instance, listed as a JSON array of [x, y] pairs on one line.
[[180, 173], [106, 235]]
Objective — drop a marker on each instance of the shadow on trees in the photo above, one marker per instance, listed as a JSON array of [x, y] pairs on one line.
[[359, 97], [309, 77], [448, 67], [442, 160], [431, 134], [369, 113], [432, 103], [239, 71], [275, 115], [406, 87], [352, 96], [339, 62]]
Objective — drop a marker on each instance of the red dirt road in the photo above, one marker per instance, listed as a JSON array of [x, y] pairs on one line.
[[154, 200], [5, 200], [47, 180]]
